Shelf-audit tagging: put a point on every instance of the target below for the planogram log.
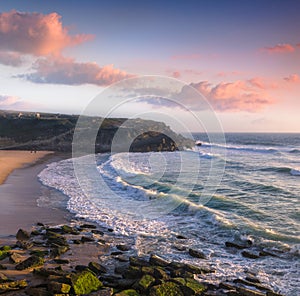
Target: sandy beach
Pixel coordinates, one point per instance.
(21, 189)
(11, 160)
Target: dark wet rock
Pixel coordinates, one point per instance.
(123, 248)
(61, 261)
(145, 283)
(135, 261)
(110, 229)
(3, 254)
(80, 267)
(109, 279)
(3, 278)
(88, 226)
(130, 292)
(272, 293)
(103, 292)
(87, 239)
(122, 258)
(22, 235)
(97, 268)
(180, 237)
(12, 286)
(253, 279)
(40, 224)
(57, 241)
(39, 253)
(122, 284)
(247, 292)
(85, 282)
(247, 254)
(2, 267)
(66, 229)
(180, 248)
(76, 241)
(132, 272)
(248, 283)
(47, 272)
(239, 246)
(25, 245)
(197, 254)
(97, 231)
(15, 258)
(58, 251)
(159, 261)
(58, 288)
(160, 273)
(166, 289)
(31, 262)
(116, 253)
(35, 232)
(264, 253)
(197, 287)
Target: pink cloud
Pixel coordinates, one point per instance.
(10, 59)
(36, 33)
(292, 78)
(13, 103)
(176, 74)
(279, 48)
(62, 70)
(233, 96)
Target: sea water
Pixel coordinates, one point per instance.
(257, 200)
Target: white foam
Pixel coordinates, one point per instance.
(295, 172)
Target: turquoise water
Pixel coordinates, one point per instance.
(247, 189)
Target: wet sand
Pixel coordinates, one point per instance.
(19, 194)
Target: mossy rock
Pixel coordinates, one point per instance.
(180, 281)
(195, 286)
(31, 262)
(85, 282)
(3, 254)
(56, 287)
(129, 292)
(166, 289)
(12, 286)
(146, 282)
(5, 248)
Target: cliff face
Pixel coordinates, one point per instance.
(30, 131)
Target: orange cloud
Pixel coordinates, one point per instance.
(279, 48)
(36, 33)
(292, 78)
(62, 70)
(234, 96)
(10, 59)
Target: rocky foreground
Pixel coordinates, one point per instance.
(48, 261)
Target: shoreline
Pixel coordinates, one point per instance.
(19, 194)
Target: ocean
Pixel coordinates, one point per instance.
(244, 191)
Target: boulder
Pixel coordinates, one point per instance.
(129, 292)
(145, 283)
(97, 268)
(197, 254)
(55, 288)
(159, 261)
(249, 255)
(22, 235)
(166, 289)
(12, 286)
(15, 258)
(123, 247)
(85, 282)
(31, 262)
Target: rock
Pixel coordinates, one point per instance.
(31, 262)
(89, 226)
(253, 279)
(15, 258)
(22, 235)
(160, 273)
(61, 261)
(159, 261)
(86, 239)
(40, 224)
(97, 231)
(122, 284)
(48, 272)
(145, 282)
(103, 292)
(122, 258)
(25, 245)
(3, 278)
(249, 255)
(135, 261)
(236, 245)
(85, 282)
(110, 229)
(58, 250)
(180, 248)
(76, 241)
(97, 268)
(180, 237)
(197, 287)
(2, 267)
(247, 283)
(197, 254)
(39, 253)
(66, 229)
(132, 272)
(247, 292)
(57, 241)
(116, 253)
(55, 287)
(80, 267)
(5, 248)
(166, 289)
(129, 292)
(123, 248)
(12, 286)
(3, 255)
(35, 232)
(271, 293)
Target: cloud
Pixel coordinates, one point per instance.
(12, 103)
(35, 33)
(234, 96)
(292, 78)
(279, 48)
(63, 70)
(176, 74)
(10, 59)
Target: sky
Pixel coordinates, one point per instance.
(243, 57)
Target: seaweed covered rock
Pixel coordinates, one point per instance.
(166, 289)
(31, 262)
(85, 282)
(12, 286)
